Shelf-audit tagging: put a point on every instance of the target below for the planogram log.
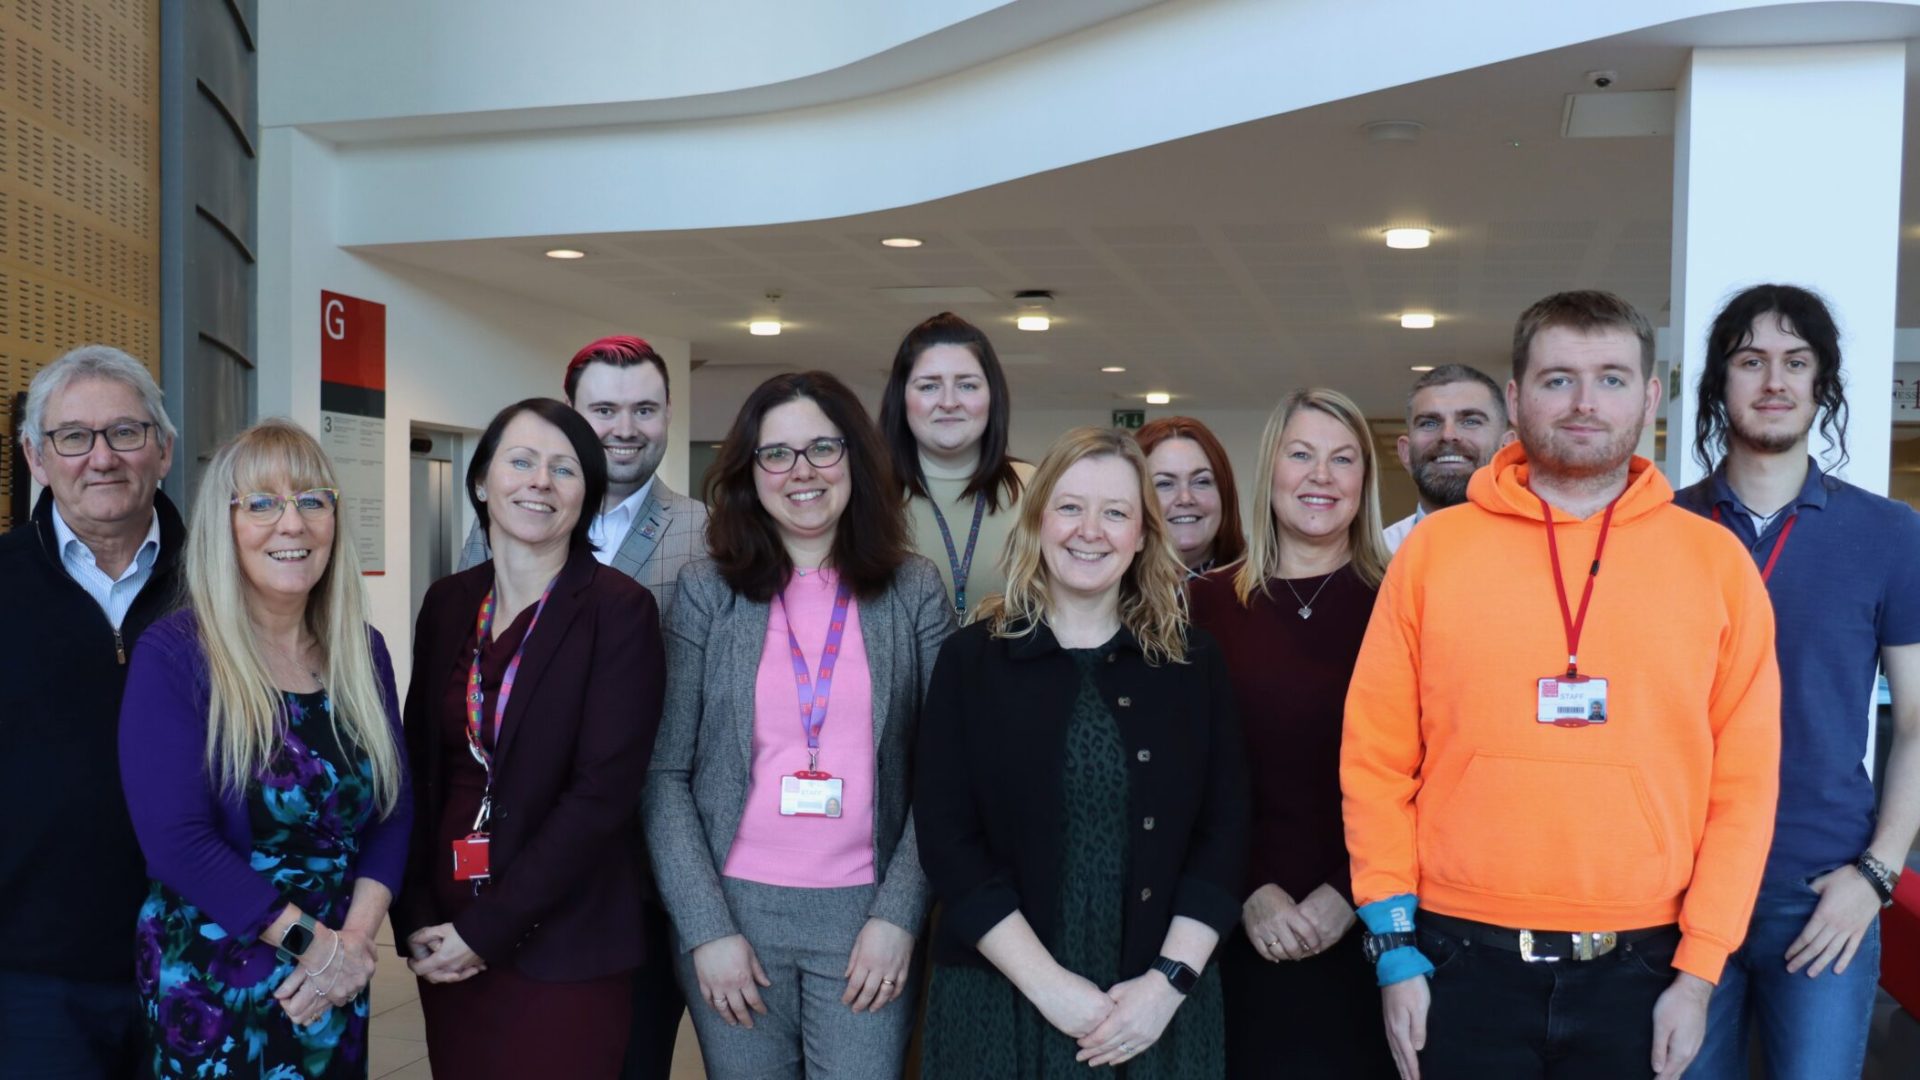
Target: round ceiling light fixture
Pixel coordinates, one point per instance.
(566, 253)
(1409, 239)
(1416, 320)
(1382, 131)
(1159, 397)
(1034, 306)
(1112, 369)
(1421, 367)
(901, 242)
(767, 325)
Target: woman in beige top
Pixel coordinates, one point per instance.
(945, 416)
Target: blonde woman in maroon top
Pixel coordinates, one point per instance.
(1300, 1000)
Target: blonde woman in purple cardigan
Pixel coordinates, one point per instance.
(260, 755)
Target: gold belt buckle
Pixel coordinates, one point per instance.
(1586, 946)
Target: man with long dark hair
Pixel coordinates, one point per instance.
(1839, 566)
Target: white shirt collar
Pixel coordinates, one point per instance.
(72, 547)
(621, 517)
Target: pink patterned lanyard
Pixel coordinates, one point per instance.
(476, 693)
(814, 691)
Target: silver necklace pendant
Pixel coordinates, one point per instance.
(1306, 613)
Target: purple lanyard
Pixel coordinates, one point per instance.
(476, 693)
(962, 570)
(814, 691)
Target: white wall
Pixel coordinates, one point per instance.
(456, 353)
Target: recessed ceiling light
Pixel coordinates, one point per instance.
(1416, 320)
(1034, 307)
(1159, 397)
(1409, 238)
(566, 253)
(1113, 369)
(764, 328)
(900, 242)
(1422, 367)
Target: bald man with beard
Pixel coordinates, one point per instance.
(1456, 421)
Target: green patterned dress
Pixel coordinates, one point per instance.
(978, 1025)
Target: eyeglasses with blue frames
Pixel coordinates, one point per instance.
(125, 437)
(820, 453)
(264, 507)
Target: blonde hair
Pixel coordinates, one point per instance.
(1368, 550)
(1153, 595)
(246, 714)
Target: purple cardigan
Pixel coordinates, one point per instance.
(196, 842)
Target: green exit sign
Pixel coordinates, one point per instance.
(1130, 419)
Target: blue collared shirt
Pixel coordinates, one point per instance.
(1846, 585)
(114, 595)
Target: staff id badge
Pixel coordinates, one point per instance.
(810, 794)
(1572, 701)
(470, 858)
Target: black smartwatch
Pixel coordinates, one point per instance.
(297, 940)
(1378, 945)
(1183, 978)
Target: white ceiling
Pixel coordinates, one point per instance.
(1224, 268)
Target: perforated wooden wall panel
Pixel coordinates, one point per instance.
(79, 187)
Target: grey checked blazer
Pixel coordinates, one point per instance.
(703, 757)
(669, 532)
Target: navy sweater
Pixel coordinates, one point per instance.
(70, 869)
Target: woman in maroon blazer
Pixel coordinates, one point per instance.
(537, 684)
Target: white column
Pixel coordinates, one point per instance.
(1787, 170)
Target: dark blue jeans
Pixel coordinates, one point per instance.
(61, 1029)
(1810, 1028)
(1495, 1015)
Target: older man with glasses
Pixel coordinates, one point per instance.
(97, 563)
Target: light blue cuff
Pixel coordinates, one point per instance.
(1394, 915)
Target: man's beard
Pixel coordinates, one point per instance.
(1765, 442)
(1441, 488)
(1549, 452)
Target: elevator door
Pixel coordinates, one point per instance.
(431, 536)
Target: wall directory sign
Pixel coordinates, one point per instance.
(353, 418)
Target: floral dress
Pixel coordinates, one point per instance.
(207, 998)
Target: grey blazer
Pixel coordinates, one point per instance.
(703, 757)
(669, 532)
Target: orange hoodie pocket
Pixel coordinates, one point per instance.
(1525, 826)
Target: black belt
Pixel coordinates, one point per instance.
(1541, 946)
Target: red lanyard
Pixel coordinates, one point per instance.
(1574, 622)
(1779, 544)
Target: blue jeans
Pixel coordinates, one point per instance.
(61, 1029)
(1810, 1029)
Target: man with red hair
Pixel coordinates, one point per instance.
(643, 529)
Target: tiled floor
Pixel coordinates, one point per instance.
(398, 1039)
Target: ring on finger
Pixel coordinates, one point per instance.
(886, 982)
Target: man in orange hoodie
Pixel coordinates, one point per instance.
(1562, 739)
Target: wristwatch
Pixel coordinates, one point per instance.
(297, 939)
(1183, 978)
(1377, 945)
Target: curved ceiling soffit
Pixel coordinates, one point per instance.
(868, 155)
(1006, 29)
